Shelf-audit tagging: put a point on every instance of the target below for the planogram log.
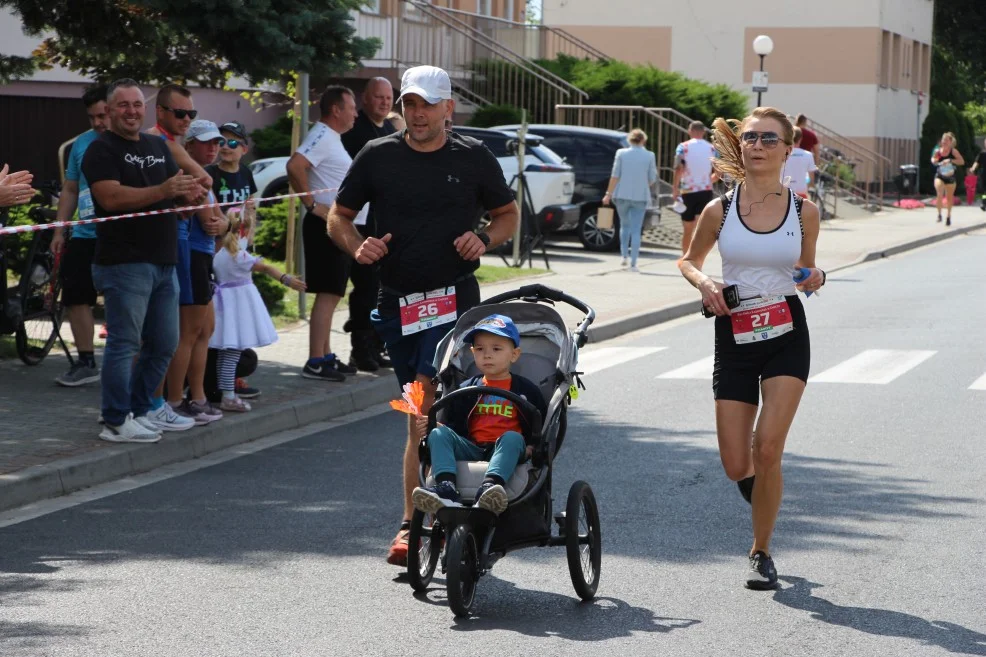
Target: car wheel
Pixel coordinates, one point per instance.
(595, 239)
(278, 187)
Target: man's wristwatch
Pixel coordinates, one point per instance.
(484, 238)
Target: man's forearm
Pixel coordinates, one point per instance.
(67, 202)
(343, 232)
(124, 199)
(502, 227)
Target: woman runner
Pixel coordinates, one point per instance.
(945, 158)
(764, 231)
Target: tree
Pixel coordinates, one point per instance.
(157, 41)
(958, 68)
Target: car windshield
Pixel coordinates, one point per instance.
(548, 156)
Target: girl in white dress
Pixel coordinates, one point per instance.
(242, 320)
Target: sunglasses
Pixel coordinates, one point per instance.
(233, 143)
(768, 139)
(181, 113)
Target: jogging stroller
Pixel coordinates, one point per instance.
(467, 540)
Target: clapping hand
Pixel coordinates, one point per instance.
(15, 188)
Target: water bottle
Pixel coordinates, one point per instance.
(801, 274)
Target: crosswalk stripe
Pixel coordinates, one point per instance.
(875, 366)
(596, 360)
(700, 369)
(979, 384)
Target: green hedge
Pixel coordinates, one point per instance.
(270, 239)
(271, 291)
(491, 115)
(942, 118)
(273, 140)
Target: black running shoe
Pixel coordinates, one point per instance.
(322, 371)
(762, 575)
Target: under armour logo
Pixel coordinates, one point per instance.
(452, 178)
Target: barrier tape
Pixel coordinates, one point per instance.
(33, 228)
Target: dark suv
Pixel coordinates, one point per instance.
(590, 151)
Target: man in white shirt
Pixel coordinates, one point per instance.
(320, 163)
(693, 178)
(800, 167)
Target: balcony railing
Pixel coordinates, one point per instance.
(483, 71)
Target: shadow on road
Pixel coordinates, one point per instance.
(880, 622)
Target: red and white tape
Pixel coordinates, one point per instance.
(33, 228)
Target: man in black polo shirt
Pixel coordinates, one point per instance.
(134, 263)
(428, 189)
(371, 123)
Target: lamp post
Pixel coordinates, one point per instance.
(763, 45)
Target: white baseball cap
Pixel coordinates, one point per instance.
(429, 82)
(203, 130)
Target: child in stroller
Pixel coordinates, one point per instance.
(489, 428)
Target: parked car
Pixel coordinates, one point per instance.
(590, 151)
(551, 182)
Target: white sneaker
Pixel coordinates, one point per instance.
(623, 263)
(634, 270)
(130, 431)
(166, 419)
(147, 424)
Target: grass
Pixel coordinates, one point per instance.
(485, 274)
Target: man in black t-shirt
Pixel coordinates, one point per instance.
(134, 263)
(428, 189)
(371, 123)
(979, 166)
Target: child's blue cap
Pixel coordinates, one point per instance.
(497, 325)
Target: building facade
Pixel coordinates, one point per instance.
(856, 67)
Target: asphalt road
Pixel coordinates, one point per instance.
(881, 543)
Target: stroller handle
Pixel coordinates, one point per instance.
(538, 292)
(528, 408)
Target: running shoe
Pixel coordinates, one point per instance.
(166, 419)
(202, 413)
(130, 431)
(234, 405)
(320, 370)
(78, 375)
(245, 391)
(762, 575)
(147, 424)
(492, 497)
(397, 556)
(339, 366)
(436, 497)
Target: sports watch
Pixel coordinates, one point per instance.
(484, 238)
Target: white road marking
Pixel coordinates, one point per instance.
(44, 507)
(979, 384)
(596, 360)
(700, 369)
(874, 366)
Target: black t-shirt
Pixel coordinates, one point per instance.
(363, 131)
(426, 201)
(981, 164)
(140, 164)
(231, 187)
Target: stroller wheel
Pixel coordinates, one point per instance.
(463, 563)
(583, 541)
(424, 548)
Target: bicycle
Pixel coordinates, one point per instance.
(819, 195)
(31, 309)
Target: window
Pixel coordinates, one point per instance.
(564, 146)
(484, 7)
(509, 11)
(915, 66)
(895, 62)
(885, 53)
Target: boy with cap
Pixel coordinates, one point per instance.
(494, 425)
(230, 181)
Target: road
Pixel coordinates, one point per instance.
(277, 548)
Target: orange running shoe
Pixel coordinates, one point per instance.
(398, 549)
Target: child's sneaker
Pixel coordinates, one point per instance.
(436, 497)
(234, 405)
(492, 497)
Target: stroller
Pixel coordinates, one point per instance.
(469, 540)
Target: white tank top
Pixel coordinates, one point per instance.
(760, 264)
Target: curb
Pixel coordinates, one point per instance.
(71, 474)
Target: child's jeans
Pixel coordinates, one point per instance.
(447, 447)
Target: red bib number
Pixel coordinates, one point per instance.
(420, 312)
(760, 319)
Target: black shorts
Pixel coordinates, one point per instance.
(76, 273)
(326, 266)
(739, 368)
(200, 277)
(695, 203)
(948, 181)
(415, 354)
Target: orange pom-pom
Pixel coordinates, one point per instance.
(413, 398)
(403, 407)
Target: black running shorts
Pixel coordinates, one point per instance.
(695, 203)
(739, 368)
(326, 266)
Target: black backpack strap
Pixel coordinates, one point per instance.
(798, 205)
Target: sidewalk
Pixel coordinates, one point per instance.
(48, 443)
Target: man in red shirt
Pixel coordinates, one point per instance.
(809, 140)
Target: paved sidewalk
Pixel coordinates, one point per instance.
(48, 443)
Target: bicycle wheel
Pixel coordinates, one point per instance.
(41, 310)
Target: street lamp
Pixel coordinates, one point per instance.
(763, 45)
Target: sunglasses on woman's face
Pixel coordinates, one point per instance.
(768, 139)
(181, 113)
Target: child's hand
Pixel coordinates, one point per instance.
(529, 452)
(297, 284)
